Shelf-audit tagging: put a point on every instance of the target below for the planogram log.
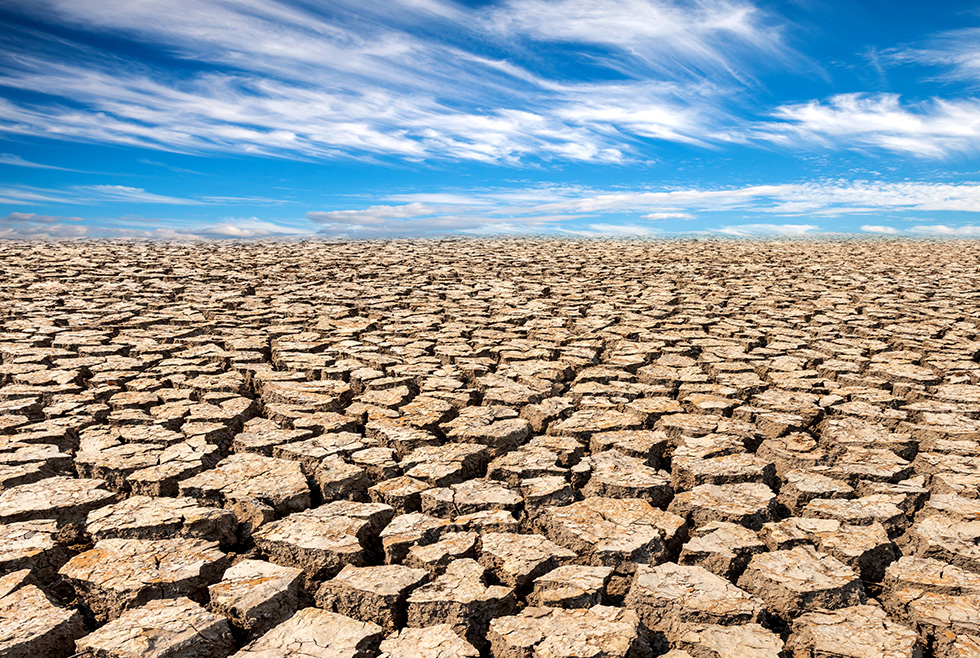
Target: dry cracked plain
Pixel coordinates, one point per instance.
(498, 448)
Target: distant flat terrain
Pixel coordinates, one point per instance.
(517, 448)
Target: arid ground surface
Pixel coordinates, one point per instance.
(507, 448)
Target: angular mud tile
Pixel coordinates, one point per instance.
(935, 615)
(314, 633)
(518, 559)
(948, 539)
(496, 427)
(545, 412)
(14, 581)
(14, 475)
(337, 479)
(323, 540)
(256, 488)
(744, 641)
(375, 594)
(379, 463)
(398, 437)
(571, 586)
(860, 511)
(407, 530)
(860, 631)
(722, 548)
(426, 412)
(951, 505)
(524, 463)
(799, 487)
(568, 449)
(177, 628)
(873, 465)
(64, 499)
(142, 517)
(584, 423)
(927, 575)
(612, 474)
(51, 458)
(678, 425)
(651, 409)
(447, 464)
(461, 598)
(33, 627)
(121, 574)
(746, 504)
(264, 441)
(602, 631)
(796, 451)
(438, 641)
(470, 496)
(845, 432)
(725, 469)
(435, 557)
(310, 452)
(646, 445)
(31, 545)
(800, 580)
(174, 463)
(402, 493)
(540, 494)
(318, 396)
(615, 533)
(671, 599)
(960, 646)
(493, 520)
(256, 595)
(865, 548)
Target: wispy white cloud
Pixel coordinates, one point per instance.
(930, 230)
(668, 215)
(935, 128)
(957, 52)
(375, 215)
(403, 80)
(665, 35)
(135, 195)
(648, 212)
(27, 225)
(782, 230)
(248, 228)
(17, 161)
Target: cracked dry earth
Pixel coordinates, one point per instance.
(501, 448)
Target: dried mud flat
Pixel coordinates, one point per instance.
(506, 448)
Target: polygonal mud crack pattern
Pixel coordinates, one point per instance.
(506, 448)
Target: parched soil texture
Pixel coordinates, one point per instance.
(507, 448)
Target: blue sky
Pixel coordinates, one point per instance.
(368, 118)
